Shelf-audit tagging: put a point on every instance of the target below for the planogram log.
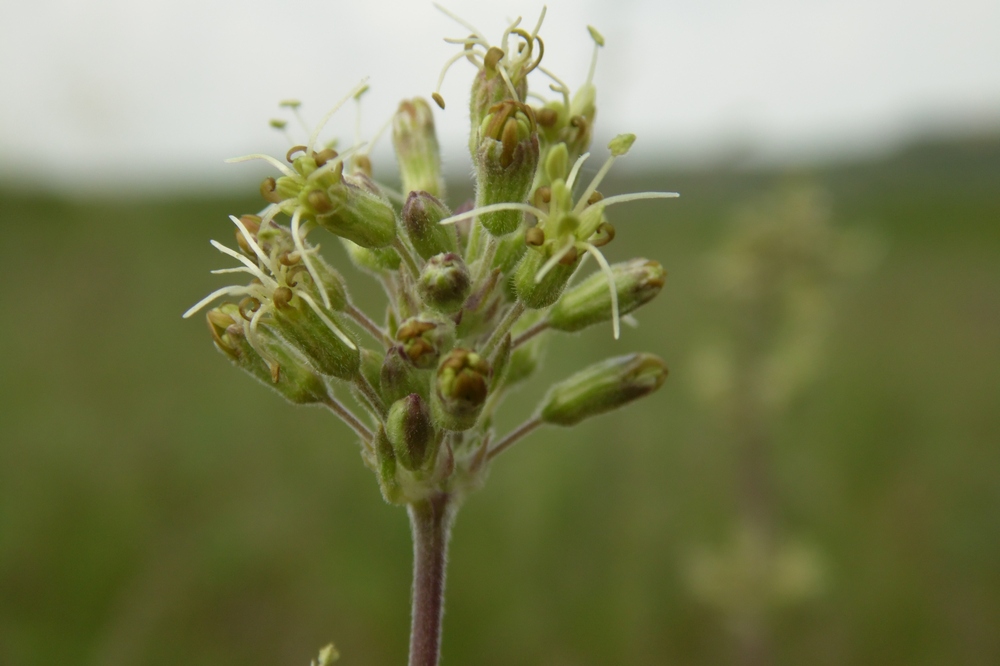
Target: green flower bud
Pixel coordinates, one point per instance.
(460, 389)
(425, 338)
(523, 361)
(444, 282)
(371, 365)
(602, 387)
(398, 378)
(417, 148)
(637, 282)
(374, 261)
(411, 432)
(422, 213)
(356, 213)
(286, 371)
(302, 326)
(505, 162)
(541, 294)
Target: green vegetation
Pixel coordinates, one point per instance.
(157, 508)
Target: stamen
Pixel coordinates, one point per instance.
(232, 290)
(250, 241)
(289, 156)
(506, 33)
(357, 114)
(297, 239)
(606, 269)
(553, 260)
(510, 86)
(284, 168)
(332, 164)
(329, 114)
(635, 196)
(492, 208)
(243, 260)
(582, 201)
(575, 170)
(598, 43)
(538, 25)
(326, 320)
(468, 26)
(560, 87)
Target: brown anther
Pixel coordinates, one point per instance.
(417, 348)
(469, 386)
(218, 322)
(534, 237)
(509, 141)
(268, 190)
(289, 258)
(282, 297)
(242, 242)
(438, 99)
(290, 155)
(413, 329)
(605, 234)
(492, 57)
(319, 202)
(324, 156)
(570, 257)
(546, 117)
(248, 306)
(543, 195)
(594, 198)
(251, 222)
(275, 371)
(363, 164)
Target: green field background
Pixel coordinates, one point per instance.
(157, 507)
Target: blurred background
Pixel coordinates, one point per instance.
(157, 507)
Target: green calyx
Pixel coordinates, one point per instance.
(460, 389)
(417, 150)
(421, 217)
(602, 387)
(322, 338)
(636, 282)
(506, 159)
(444, 282)
(410, 430)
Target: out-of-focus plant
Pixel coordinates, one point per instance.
(473, 295)
(777, 278)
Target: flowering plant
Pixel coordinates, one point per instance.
(473, 294)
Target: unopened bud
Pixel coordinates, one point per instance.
(637, 282)
(603, 387)
(460, 389)
(421, 216)
(398, 378)
(425, 339)
(505, 162)
(386, 460)
(444, 282)
(417, 148)
(411, 432)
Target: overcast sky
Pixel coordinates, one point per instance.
(137, 92)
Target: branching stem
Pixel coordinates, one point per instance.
(518, 433)
(349, 418)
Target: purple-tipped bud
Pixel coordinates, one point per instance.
(411, 432)
(444, 282)
(460, 389)
(417, 148)
(422, 215)
(603, 387)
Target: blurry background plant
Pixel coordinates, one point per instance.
(153, 509)
(777, 279)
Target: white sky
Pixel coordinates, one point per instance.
(123, 93)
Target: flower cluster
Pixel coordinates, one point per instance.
(473, 293)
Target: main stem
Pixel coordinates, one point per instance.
(431, 522)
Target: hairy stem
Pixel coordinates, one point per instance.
(349, 418)
(407, 257)
(530, 333)
(521, 431)
(374, 329)
(504, 327)
(431, 521)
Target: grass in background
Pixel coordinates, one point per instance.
(158, 508)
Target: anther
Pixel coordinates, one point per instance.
(509, 140)
(570, 257)
(604, 235)
(268, 190)
(363, 164)
(278, 124)
(534, 237)
(546, 117)
(492, 57)
(438, 99)
(594, 198)
(289, 258)
(319, 201)
(282, 296)
(290, 155)
(324, 156)
(543, 195)
(248, 306)
(275, 371)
